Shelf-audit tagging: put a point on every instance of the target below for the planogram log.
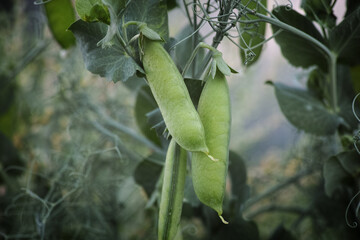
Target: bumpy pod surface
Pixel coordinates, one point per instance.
(172, 97)
(172, 193)
(209, 177)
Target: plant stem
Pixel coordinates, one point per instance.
(330, 56)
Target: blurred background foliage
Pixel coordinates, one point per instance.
(75, 163)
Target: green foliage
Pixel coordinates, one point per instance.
(320, 11)
(305, 111)
(344, 39)
(60, 15)
(252, 35)
(340, 172)
(298, 51)
(91, 11)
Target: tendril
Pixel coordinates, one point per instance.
(354, 224)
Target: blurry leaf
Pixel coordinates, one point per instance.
(60, 15)
(316, 83)
(9, 157)
(189, 193)
(238, 176)
(304, 111)
(144, 104)
(171, 4)
(254, 34)
(184, 50)
(298, 51)
(92, 10)
(112, 63)
(355, 77)
(281, 233)
(344, 39)
(340, 171)
(351, 5)
(148, 171)
(7, 96)
(194, 87)
(237, 229)
(320, 11)
(345, 95)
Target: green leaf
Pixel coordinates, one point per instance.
(148, 171)
(113, 63)
(92, 10)
(151, 12)
(238, 176)
(252, 35)
(344, 39)
(298, 51)
(144, 104)
(351, 5)
(320, 11)
(304, 111)
(281, 233)
(341, 171)
(184, 50)
(189, 193)
(60, 15)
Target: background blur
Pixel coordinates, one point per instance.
(70, 144)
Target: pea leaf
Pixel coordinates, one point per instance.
(305, 111)
(344, 39)
(298, 51)
(144, 104)
(60, 15)
(113, 63)
(151, 12)
(320, 11)
(341, 171)
(351, 5)
(92, 10)
(148, 171)
(238, 176)
(252, 35)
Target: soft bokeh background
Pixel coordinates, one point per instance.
(74, 132)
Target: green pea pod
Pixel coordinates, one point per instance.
(172, 193)
(172, 97)
(209, 177)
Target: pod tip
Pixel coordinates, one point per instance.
(212, 158)
(223, 220)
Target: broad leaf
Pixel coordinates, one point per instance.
(144, 104)
(281, 233)
(320, 11)
(351, 5)
(148, 171)
(297, 50)
(113, 63)
(304, 111)
(252, 35)
(189, 193)
(238, 176)
(344, 39)
(61, 15)
(340, 171)
(92, 10)
(151, 12)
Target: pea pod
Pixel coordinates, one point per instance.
(209, 177)
(172, 97)
(172, 193)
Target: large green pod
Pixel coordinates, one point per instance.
(172, 193)
(209, 177)
(172, 97)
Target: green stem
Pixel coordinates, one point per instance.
(330, 56)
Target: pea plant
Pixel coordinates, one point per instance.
(183, 104)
